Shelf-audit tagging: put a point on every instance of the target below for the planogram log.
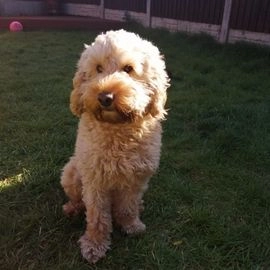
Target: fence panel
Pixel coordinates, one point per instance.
(129, 5)
(203, 11)
(90, 2)
(251, 15)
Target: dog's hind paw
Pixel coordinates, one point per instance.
(73, 209)
(91, 251)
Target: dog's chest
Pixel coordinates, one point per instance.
(110, 153)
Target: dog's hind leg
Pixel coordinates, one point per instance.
(71, 182)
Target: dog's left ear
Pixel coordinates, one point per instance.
(157, 106)
(159, 83)
(157, 79)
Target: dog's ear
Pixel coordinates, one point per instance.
(76, 104)
(157, 106)
(159, 84)
(157, 79)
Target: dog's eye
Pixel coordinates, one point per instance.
(128, 68)
(99, 68)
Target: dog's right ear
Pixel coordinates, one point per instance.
(76, 103)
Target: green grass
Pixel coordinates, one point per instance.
(208, 207)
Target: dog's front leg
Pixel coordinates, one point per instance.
(127, 205)
(96, 240)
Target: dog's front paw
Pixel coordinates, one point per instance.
(91, 251)
(137, 227)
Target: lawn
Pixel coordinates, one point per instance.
(208, 207)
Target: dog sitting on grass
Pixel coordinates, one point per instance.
(119, 96)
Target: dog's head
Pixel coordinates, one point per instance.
(120, 78)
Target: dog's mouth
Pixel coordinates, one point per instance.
(112, 115)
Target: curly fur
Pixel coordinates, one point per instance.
(118, 145)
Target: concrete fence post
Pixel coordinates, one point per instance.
(148, 13)
(102, 9)
(225, 26)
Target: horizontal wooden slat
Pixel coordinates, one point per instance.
(90, 2)
(129, 5)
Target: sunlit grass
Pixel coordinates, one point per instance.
(14, 180)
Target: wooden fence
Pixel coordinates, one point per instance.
(225, 20)
(251, 15)
(138, 6)
(203, 11)
(89, 2)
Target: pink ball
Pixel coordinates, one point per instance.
(15, 26)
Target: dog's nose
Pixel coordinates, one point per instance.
(105, 98)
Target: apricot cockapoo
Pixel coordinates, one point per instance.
(119, 96)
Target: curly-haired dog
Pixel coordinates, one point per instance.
(119, 95)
